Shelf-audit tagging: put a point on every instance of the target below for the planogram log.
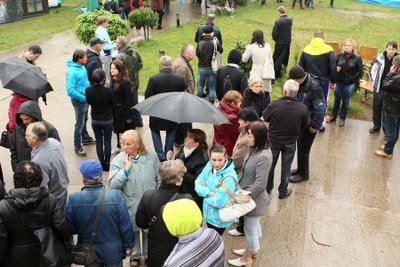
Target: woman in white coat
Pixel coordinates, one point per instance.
(263, 65)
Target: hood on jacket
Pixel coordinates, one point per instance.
(317, 46)
(72, 64)
(91, 54)
(30, 108)
(227, 168)
(27, 199)
(127, 49)
(228, 108)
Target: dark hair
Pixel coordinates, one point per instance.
(258, 37)
(78, 54)
(39, 130)
(248, 114)
(27, 175)
(99, 76)
(119, 65)
(218, 148)
(392, 43)
(35, 49)
(198, 136)
(260, 132)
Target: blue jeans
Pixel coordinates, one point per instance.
(343, 93)
(253, 232)
(137, 118)
(158, 146)
(287, 159)
(105, 264)
(80, 132)
(103, 133)
(206, 75)
(392, 126)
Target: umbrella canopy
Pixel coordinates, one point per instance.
(24, 78)
(181, 107)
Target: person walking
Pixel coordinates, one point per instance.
(77, 82)
(101, 102)
(282, 35)
(114, 236)
(93, 61)
(108, 45)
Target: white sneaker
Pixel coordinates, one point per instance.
(115, 150)
(239, 262)
(239, 252)
(235, 232)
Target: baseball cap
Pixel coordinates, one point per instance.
(95, 40)
(90, 169)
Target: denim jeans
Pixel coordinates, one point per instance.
(137, 118)
(80, 132)
(342, 93)
(103, 133)
(105, 264)
(206, 75)
(287, 159)
(158, 146)
(252, 230)
(392, 126)
(106, 64)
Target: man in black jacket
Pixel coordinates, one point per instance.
(93, 58)
(164, 82)
(391, 104)
(211, 20)
(204, 53)
(282, 35)
(310, 93)
(230, 77)
(287, 118)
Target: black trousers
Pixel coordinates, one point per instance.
(304, 144)
(377, 115)
(181, 132)
(281, 57)
(219, 230)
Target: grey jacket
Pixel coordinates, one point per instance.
(254, 177)
(49, 155)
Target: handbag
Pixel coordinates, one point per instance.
(216, 60)
(5, 140)
(84, 254)
(240, 204)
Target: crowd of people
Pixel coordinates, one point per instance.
(156, 202)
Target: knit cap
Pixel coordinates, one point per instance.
(297, 72)
(234, 56)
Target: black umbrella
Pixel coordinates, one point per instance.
(24, 78)
(181, 107)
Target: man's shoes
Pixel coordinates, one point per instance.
(115, 151)
(374, 130)
(298, 178)
(88, 141)
(288, 193)
(382, 154)
(330, 119)
(235, 232)
(139, 125)
(80, 152)
(293, 172)
(341, 122)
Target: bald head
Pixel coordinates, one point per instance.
(36, 133)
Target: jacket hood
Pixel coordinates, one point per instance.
(90, 54)
(317, 46)
(27, 199)
(229, 108)
(72, 64)
(30, 108)
(128, 50)
(227, 168)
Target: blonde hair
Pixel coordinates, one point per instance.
(233, 96)
(135, 137)
(254, 80)
(171, 171)
(353, 43)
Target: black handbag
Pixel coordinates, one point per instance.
(54, 252)
(5, 140)
(84, 254)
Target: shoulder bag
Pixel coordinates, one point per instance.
(5, 139)
(216, 61)
(240, 204)
(84, 254)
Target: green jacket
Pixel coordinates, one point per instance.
(133, 63)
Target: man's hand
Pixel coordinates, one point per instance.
(394, 69)
(170, 155)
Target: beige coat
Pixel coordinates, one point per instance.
(180, 67)
(240, 150)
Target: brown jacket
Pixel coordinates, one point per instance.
(183, 68)
(240, 150)
(157, 5)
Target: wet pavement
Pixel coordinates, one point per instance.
(347, 214)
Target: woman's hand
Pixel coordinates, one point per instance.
(127, 162)
(170, 155)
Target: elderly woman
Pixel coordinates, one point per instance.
(227, 134)
(207, 185)
(134, 171)
(148, 215)
(349, 72)
(194, 156)
(255, 97)
(254, 178)
(28, 207)
(263, 65)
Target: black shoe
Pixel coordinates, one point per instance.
(288, 193)
(322, 130)
(374, 130)
(269, 190)
(298, 178)
(140, 124)
(293, 172)
(105, 166)
(80, 152)
(88, 141)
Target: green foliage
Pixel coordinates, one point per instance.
(220, 3)
(86, 25)
(143, 17)
(241, 45)
(240, 2)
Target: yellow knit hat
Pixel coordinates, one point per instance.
(182, 217)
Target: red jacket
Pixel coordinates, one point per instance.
(15, 102)
(227, 134)
(135, 4)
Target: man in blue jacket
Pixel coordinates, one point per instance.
(77, 82)
(114, 236)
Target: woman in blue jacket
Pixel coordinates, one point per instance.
(207, 185)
